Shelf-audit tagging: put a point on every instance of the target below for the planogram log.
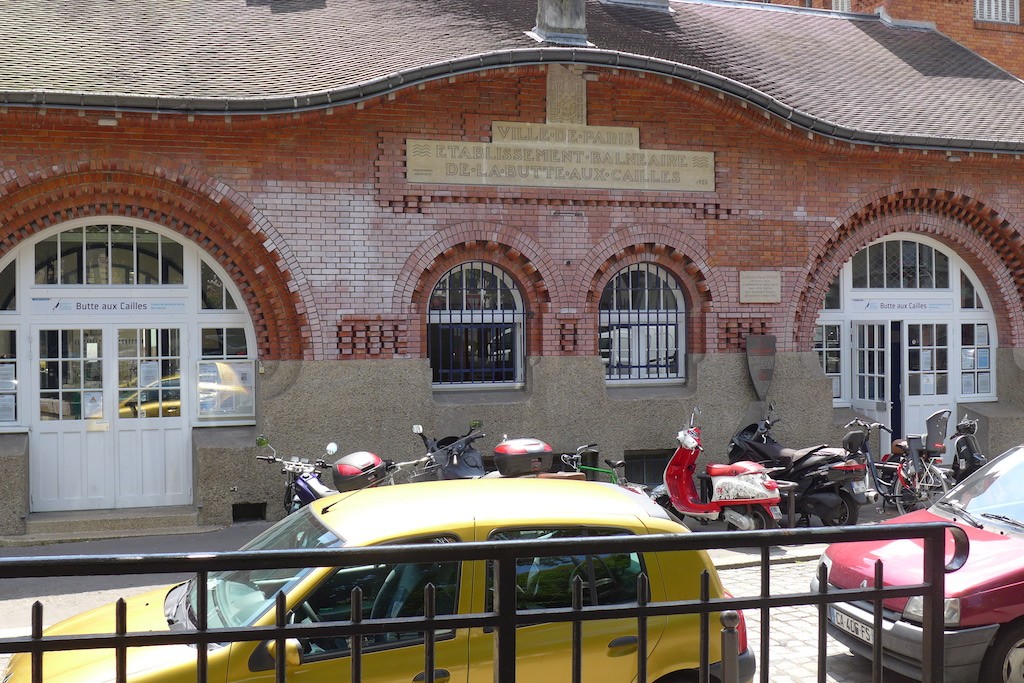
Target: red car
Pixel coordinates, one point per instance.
(984, 606)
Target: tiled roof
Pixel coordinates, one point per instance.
(856, 77)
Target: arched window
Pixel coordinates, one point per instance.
(641, 325)
(475, 327)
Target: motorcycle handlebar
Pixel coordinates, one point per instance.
(867, 425)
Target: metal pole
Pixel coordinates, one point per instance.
(730, 646)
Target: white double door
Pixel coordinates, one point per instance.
(110, 426)
(902, 371)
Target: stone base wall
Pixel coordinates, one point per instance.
(372, 405)
(14, 483)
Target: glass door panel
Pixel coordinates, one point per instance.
(871, 370)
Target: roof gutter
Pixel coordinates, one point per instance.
(508, 58)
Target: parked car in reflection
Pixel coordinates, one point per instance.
(984, 600)
(430, 512)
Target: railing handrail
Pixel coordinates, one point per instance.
(504, 555)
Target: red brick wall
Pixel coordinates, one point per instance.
(1002, 44)
(335, 252)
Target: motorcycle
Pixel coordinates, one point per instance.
(829, 483)
(448, 458)
(967, 455)
(741, 493)
(349, 472)
(452, 457)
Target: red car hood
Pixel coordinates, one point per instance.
(993, 560)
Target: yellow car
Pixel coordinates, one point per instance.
(442, 512)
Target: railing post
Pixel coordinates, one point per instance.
(705, 629)
(505, 634)
(934, 603)
(730, 646)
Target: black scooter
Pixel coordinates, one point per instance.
(829, 483)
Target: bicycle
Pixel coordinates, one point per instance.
(909, 479)
(616, 472)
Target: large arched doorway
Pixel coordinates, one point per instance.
(907, 329)
(116, 340)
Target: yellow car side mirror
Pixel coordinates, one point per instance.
(292, 651)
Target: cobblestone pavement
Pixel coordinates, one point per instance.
(793, 652)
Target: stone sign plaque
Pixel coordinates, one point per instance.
(559, 155)
(760, 287)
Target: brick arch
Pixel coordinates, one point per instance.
(47, 192)
(674, 251)
(510, 250)
(980, 232)
(493, 238)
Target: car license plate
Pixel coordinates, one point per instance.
(859, 486)
(776, 512)
(855, 628)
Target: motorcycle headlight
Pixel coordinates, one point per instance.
(687, 439)
(914, 611)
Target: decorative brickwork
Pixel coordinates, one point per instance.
(422, 203)
(735, 332)
(375, 337)
(625, 250)
(567, 335)
(48, 192)
(980, 234)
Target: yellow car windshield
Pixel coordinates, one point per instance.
(238, 597)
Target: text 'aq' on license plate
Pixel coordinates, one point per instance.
(859, 486)
(855, 628)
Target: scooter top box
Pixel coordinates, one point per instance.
(358, 470)
(517, 457)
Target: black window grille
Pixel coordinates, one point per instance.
(475, 327)
(641, 325)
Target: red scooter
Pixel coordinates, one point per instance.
(740, 493)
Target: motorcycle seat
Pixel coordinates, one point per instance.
(732, 470)
(799, 454)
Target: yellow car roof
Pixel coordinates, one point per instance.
(379, 514)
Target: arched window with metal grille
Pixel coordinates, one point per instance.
(641, 325)
(475, 327)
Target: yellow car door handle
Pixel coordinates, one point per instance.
(624, 641)
(440, 675)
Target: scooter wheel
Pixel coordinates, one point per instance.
(846, 514)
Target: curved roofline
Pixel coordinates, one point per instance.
(485, 61)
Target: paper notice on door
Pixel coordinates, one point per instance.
(7, 377)
(7, 408)
(149, 373)
(927, 385)
(92, 405)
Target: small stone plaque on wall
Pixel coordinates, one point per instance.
(760, 287)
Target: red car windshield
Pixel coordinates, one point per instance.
(992, 494)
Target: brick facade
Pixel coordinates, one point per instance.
(314, 220)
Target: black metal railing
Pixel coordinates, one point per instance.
(504, 617)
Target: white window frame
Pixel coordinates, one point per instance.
(997, 11)
(849, 312)
(445, 321)
(638, 324)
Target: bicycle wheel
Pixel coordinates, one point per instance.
(917, 492)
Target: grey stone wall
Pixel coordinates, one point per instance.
(372, 405)
(14, 489)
